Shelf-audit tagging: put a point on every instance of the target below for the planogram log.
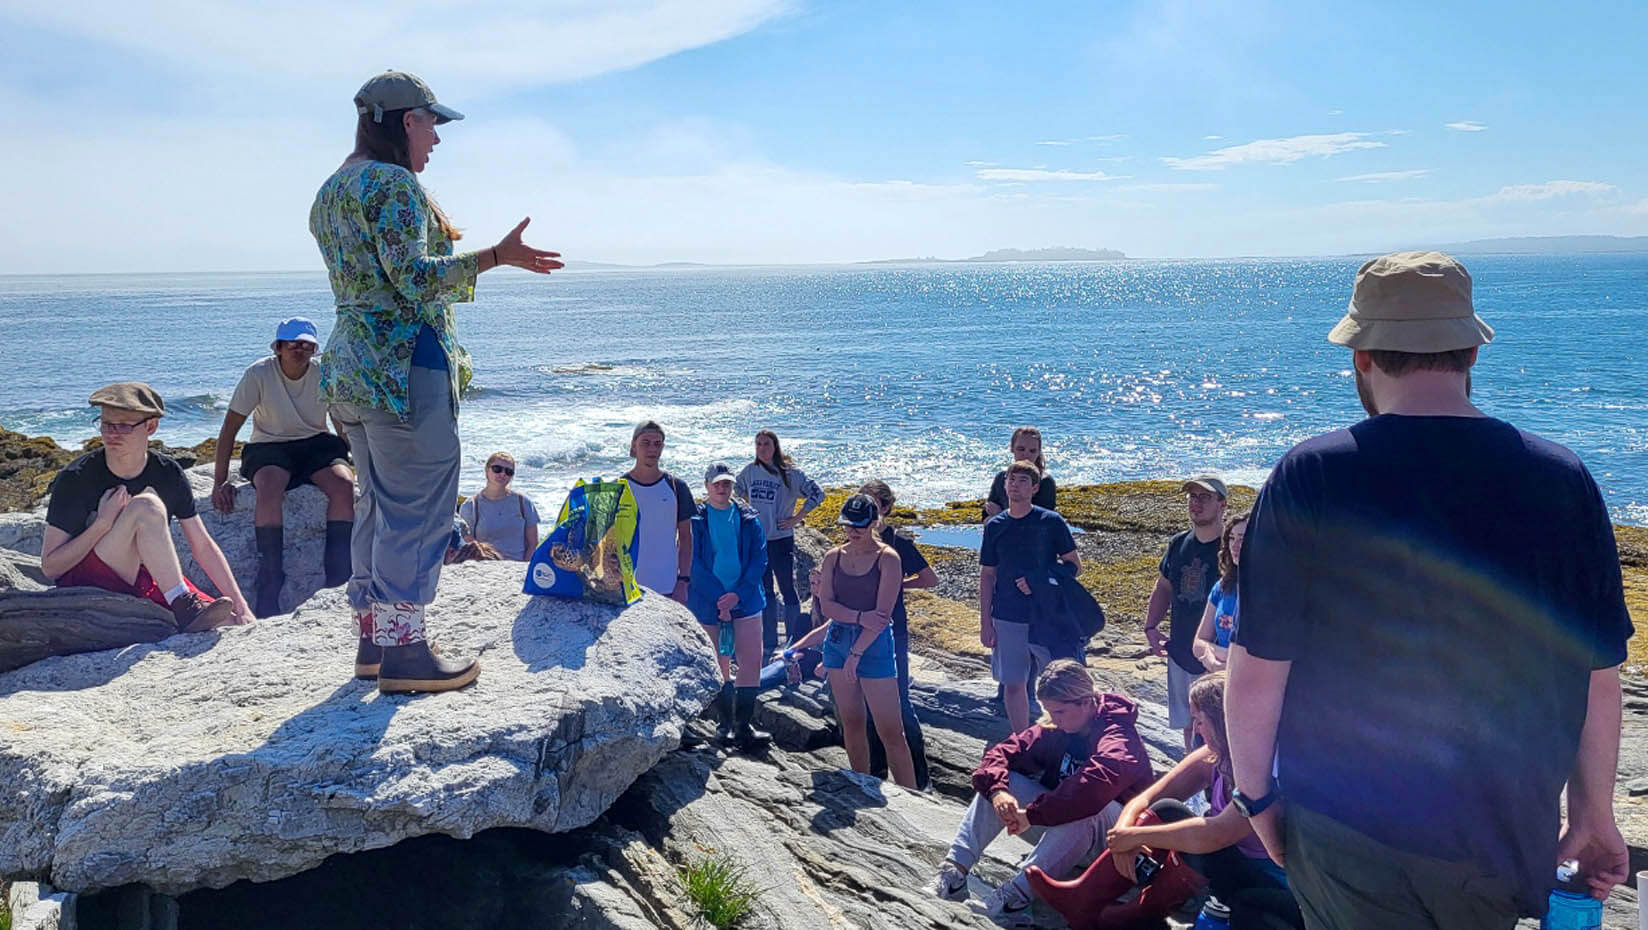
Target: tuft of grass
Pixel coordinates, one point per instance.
(720, 889)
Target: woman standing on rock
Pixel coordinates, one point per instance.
(772, 484)
(860, 582)
(1026, 447)
(392, 370)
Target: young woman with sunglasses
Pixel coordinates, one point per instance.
(504, 519)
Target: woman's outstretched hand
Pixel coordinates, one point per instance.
(512, 251)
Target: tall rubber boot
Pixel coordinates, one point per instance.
(408, 662)
(335, 557)
(368, 654)
(749, 738)
(1081, 899)
(724, 712)
(1175, 884)
(271, 573)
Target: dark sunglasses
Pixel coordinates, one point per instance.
(503, 470)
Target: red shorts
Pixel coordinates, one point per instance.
(93, 573)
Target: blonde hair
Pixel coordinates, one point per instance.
(499, 457)
(1207, 694)
(1065, 681)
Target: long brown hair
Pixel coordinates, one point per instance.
(1207, 694)
(781, 463)
(1041, 462)
(1227, 565)
(386, 141)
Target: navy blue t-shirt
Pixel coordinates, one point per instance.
(1444, 587)
(910, 562)
(1019, 547)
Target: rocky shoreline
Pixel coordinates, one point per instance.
(828, 848)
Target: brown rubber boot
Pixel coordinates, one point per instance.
(415, 667)
(197, 613)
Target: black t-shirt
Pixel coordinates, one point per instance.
(79, 488)
(910, 561)
(1444, 587)
(1020, 547)
(1190, 566)
(1047, 493)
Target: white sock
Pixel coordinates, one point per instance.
(177, 592)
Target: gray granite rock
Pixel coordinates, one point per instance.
(251, 753)
(36, 624)
(40, 907)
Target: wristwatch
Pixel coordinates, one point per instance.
(686, 578)
(1253, 807)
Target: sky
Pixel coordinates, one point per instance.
(183, 135)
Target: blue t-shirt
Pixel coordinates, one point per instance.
(724, 545)
(1224, 614)
(427, 351)
(1019, 547)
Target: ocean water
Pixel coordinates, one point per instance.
(913, 373)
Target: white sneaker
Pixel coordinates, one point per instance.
(950, 883)
(1009, 907)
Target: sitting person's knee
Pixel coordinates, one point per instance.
(147, 503)
(1171, 810)
(269, 481)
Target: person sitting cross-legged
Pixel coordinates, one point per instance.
(290, 447)
(1060, 784)
(108, 523)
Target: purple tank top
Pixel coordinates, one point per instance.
(856, 591)
(1251, 847)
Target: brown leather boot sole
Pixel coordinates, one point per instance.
(220, 612)
(368, 660)
(429, 685)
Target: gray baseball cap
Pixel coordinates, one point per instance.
(397, 90)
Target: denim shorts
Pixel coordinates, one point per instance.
(877, 660)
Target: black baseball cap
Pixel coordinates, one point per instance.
(860, 510)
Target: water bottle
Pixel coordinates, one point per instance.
(1214, 916)
(1571, 906)
(792, 668)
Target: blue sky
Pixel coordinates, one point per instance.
(182, 137)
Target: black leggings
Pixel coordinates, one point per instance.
(1256, 900)
(780, 565)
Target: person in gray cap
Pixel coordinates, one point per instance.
(290, 446)
(1185, 577)
(1428, 640)
(393, 368)
(729, 556)
(108, 522)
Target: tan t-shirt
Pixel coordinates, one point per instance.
(281, 409)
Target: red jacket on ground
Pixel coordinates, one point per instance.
(1082, 772)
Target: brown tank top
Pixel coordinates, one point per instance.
(857, 591)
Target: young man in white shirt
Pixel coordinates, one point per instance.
(665, 507)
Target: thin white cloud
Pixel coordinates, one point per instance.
(1212, 138)
(981, 164)
(1523, 193)
(1276, 151)
(1169, 187)
(506, 42)
(1054, 142)
(1042, 174)
(1336, 112)
(1466, 125)
(1379, 177)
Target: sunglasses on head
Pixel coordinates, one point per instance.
(503, 470)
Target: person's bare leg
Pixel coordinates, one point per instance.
(270, 482)
(746, 639)
(888, 712)
(849, 708)
(142, 538)
(337, 482)
(1016, 699)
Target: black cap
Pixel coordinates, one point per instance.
(860, 510)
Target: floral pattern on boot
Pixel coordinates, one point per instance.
(363, 621)
(397, 624)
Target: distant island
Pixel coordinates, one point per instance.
(1055, 254)
(1550, 245)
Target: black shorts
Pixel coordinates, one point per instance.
(301, 457)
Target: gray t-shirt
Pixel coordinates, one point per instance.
(501, 523)
(774, 498)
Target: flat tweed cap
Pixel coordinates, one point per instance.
(1412, 302)
(130, 395)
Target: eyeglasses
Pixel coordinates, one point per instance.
(503, 470)
(117, 429)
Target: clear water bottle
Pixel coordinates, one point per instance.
(1214, 916)
(792, 668)
(1571, 906)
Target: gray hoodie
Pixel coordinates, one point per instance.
(774, 499)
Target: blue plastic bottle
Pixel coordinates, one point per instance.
(1214, 916)
(1571, 906)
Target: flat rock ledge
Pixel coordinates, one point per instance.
(250, 753)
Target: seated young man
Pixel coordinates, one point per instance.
(108, 523)
(290, 446)
(1061, 784)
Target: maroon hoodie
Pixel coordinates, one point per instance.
(1082, 772)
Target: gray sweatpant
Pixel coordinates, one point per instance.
(408, 478)
(1058, 849)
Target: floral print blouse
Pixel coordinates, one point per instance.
(392, 271)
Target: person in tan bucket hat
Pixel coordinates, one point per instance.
(1427, 647)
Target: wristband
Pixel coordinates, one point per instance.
(687, 578)
(856, 655)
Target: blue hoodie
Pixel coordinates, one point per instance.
(705, 589)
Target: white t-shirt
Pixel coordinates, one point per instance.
(501, 523)
(282, 410)
(659, 507)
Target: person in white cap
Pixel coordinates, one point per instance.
(393, 369)
(290, 447)
(1428, 640)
